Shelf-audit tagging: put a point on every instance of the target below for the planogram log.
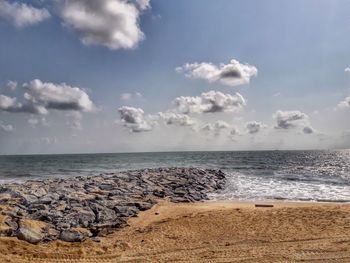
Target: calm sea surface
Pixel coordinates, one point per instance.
(286, 175)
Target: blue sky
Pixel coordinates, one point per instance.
(300, 50)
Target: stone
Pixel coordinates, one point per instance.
(31, 231)
(78, 208)
(86, 216)
(39, 192)
(75, 235)
(143, 206)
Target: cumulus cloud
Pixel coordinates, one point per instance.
(110, 23)
(11, 85)
(254, 127)
(171, 118)
(345, 103)
(6, 127)
(288, 119)
(216, 127)
(22, 15)
(234, 131)
(143, 4)
(231, 74)
(9, 104)
(212, 101)
(134, 119)
(347, 70)
(39, 97)
(57, 96)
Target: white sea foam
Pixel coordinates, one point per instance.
(250, 187)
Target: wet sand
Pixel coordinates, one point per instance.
(209, 232)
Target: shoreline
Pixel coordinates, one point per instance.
(208, 231)
(160, 215)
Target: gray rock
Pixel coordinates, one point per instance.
(73, 235)
(74, 208)
(29, 233)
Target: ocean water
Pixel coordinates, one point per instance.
(252, 175)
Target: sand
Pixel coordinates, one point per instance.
(209, 232)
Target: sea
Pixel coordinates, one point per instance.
(251, 175)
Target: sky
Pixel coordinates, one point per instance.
(86, 76)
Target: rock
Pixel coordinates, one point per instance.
(49, 198)
(159, 193)
(75, 235)
(39, 192)
(29, 198)
(74, 209)
(143, 206)
(180, 191)
(63, 226)
(31, 231)
(104, 215)
(79, 197)
(86, 216)
(51, 234)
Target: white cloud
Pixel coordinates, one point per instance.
(347, 70)
(234, 131)
(22, 15)
(212, 101)
(39, 97)
(110, 23)
(11, 85)
(48, 95)
(6, 127)
(8, 104)
(288, 119)
(143, 4)
(134, 119)
(216, 127)
(171, 118)
(253, 127)
(345, 103)
(231, 74)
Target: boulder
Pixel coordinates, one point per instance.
(77, 208)
(75, 235)
(31, 231)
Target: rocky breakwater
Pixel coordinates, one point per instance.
(78, 208)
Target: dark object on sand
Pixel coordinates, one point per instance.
(263, 205)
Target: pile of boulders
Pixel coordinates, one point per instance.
(74, 209)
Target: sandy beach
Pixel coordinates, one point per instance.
(209, 232)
